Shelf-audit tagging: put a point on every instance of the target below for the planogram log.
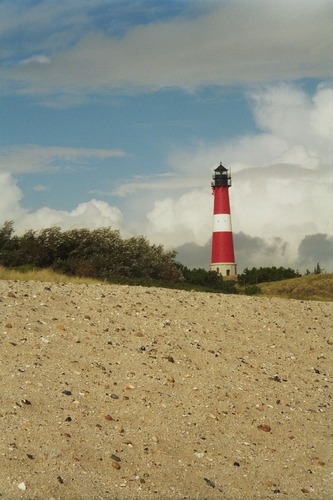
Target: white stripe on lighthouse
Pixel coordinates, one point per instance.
(222, 222)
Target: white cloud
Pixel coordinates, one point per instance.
(283, 200)
(321, 117)
(45, 25)
(177, 221)
(292, 116)
(236, 42)
(298, 155)
(92, 214)
(161, 182)
(38, 59)
(10, 198)
(34, 158)
(239, 153)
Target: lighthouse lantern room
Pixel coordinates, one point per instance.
(223, 256)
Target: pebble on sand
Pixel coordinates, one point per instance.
(264, 427)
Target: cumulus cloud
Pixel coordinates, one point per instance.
(321, 115)
(181, 220)
(193, 255)
(10, 198)
(91, 214)
(234, 42)
(297, 119)
(253, 251)
(283, 200)
(316, 248)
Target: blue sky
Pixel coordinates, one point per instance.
(115, 113)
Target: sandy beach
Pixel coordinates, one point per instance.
(117, 392)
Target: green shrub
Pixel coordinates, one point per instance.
(252, 290)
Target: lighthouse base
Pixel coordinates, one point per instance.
(227, 270)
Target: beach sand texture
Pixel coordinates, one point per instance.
(131, 392)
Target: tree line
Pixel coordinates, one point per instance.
(99, 253)
(255, 275)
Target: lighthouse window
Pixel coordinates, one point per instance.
(228, 272)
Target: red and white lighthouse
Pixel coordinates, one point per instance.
(223, 256)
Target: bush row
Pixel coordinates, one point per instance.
(99, 253)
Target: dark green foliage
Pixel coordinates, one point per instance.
(99, 253)
(7, 243)
(207, 279)
(252, 290)
(318, 269)
(265, 274)
(6, 234)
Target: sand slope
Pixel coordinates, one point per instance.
(132, 392)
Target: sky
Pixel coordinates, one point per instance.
(115, 113)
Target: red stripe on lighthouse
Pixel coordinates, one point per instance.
(222, 248)
(221, 200)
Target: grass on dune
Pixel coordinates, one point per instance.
(45, 275)
(308, 287)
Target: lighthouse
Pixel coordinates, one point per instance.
(223, 256)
